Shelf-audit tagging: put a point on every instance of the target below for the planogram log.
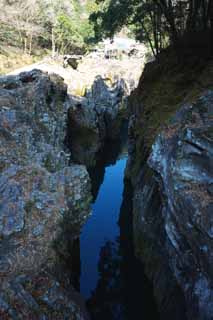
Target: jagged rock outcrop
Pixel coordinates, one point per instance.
(96, 118)
(182, 157)
(39, 191)
(173, 212)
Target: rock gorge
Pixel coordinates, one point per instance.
(170, 167)
(45, 197)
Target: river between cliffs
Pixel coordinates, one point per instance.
(112, 279)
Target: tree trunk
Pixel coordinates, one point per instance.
(30, 44)
(153, 18)
(211, 21)
(167, 11)
(25, 45)
(149, 40)
(204, 15)
(193, 15)
(53, 43)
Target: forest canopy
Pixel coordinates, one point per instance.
(60, 25)
(160, 23)
(72, 25)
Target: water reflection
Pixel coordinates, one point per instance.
(112, 279)
(101, 226)
(113, 151)
(123, 292)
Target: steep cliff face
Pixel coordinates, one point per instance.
(39, 191)
(182, 159)
(170, 167)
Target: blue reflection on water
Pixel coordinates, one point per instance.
(102, 225)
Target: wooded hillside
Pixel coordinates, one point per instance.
(59, 25)
(182, 24)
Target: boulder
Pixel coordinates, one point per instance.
(72, 61)
(39, 190)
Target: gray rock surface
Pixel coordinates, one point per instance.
(95, 118)
(38, 191)
(173, 217)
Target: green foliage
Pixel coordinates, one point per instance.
(158, 22)
(71, 33)
(67, 33)
(91, 6)
(73, 29)
(60, 25)
(109, 18)
(63, 25)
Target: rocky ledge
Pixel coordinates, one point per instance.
(173, 221)
(39, 193)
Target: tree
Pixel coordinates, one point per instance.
(23, 17)
(52, 10)
(58, 25)
(160, 22)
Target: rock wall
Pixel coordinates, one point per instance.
(182, 160)
(39, 193)
(172, 204)
(96, 118)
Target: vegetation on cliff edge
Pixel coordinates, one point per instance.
(182, 24)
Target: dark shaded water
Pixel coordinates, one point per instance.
(112, 279)
(102, 225)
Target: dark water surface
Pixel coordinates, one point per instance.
(112, 279)
(102, 226)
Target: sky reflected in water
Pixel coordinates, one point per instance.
(102, 226)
